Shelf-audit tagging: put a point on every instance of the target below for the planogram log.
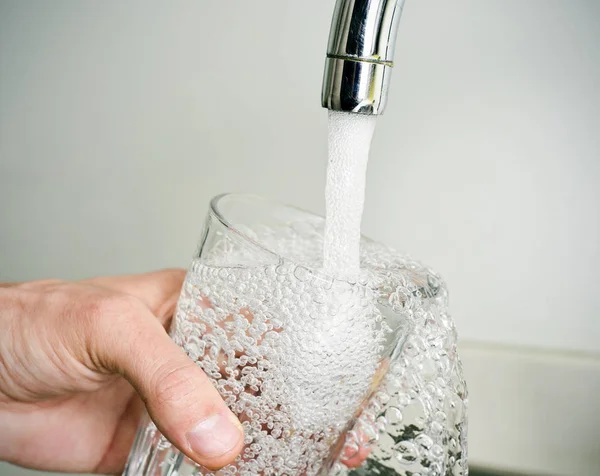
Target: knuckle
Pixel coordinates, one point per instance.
(177, 384)
(173, 385)
(112, 308)
(103, 320)
(176, 273)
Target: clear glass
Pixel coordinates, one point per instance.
(314, 366)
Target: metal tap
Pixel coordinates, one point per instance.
(360, 55)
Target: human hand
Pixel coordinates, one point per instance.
(74, 360)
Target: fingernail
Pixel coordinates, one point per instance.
(214, 436)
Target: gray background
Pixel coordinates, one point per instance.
(119, 119)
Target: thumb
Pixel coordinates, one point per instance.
(179, 397)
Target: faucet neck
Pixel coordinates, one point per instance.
(360, 55)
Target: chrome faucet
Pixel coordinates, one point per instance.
(360, 55)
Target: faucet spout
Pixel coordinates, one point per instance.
(360, 55)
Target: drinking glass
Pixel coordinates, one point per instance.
(317, 367)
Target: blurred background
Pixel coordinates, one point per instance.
(120, 119)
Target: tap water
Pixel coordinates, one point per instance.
(339, 344)
(349, 144)
(311, 363)
(399, 417)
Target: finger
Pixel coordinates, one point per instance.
(159, 290)
(116, 455)
(358, 458)
(178, 395)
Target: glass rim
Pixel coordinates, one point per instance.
(318, 273)
(223, 220)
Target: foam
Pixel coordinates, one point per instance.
(349, 144)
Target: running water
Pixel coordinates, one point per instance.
(409, 415)
(320, 363)
(349, 144)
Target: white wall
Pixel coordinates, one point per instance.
(119, 119)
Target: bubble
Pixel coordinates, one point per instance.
(407, 453)
(295, 353)
(394, 415)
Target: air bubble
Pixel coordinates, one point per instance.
(295, 353)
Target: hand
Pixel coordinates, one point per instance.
(75, 359)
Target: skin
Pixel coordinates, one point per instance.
(80, 360)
